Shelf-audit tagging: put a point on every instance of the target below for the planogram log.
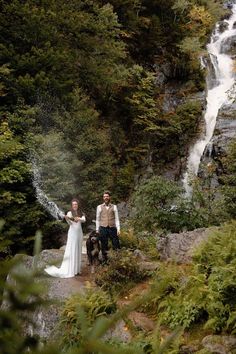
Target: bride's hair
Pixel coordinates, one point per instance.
(78, 212)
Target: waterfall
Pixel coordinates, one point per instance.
(220, 83)
(43, 199)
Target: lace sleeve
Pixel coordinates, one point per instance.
(69, 215)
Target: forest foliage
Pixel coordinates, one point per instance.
(80, 95)
(85, 318)
(196, 298)
(202, 294)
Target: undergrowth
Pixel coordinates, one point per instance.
(80, 312)
(120, 273)
(144, 241)
(204, 293)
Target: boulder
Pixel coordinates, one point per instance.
(140, 321)
(179, 247)
(45, 319)
(119, 332)
(220, 344)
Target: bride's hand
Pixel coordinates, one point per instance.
(77, 218)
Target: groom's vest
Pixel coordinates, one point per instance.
(107, 216)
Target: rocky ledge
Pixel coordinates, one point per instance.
(180, 247)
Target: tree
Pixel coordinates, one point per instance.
(54, 45)
(89, 143)
(152, 202)
(228, 179)
(18, 204)
(13, 176)
(35, 51)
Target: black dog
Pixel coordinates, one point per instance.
(93, 248)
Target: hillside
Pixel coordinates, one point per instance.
(93, 95)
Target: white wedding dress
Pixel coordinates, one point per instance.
(71, 264)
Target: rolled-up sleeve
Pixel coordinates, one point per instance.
(117, 221)
(98, 217)
(83, 218)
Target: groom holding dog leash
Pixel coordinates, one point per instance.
(107, 224)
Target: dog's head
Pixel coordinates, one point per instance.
(93, 237)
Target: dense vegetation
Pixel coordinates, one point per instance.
(161, 205)
(80, 95)
(199, 298)
(204, 293)
(84, 91)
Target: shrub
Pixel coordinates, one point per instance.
(121, 271)
(80, 311)
(228, 178)
(144, 241)
(216, 260)
(152, 202)
(128, 239)
(165, 282)
(175, 297)
(207, 292)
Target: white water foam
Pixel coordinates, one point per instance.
(219, 95)
(43, 199)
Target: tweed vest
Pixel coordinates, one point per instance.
(107, 216)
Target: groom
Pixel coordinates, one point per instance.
(107, 224)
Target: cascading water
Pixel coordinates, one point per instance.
(43, 199)
(220, 83)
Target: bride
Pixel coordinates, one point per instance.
(71, 264)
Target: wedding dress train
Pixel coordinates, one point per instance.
(71, 264)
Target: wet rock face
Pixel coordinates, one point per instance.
(228, 46)
(123, 210)
(225, 132)
(180, 247)
(223, 26)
